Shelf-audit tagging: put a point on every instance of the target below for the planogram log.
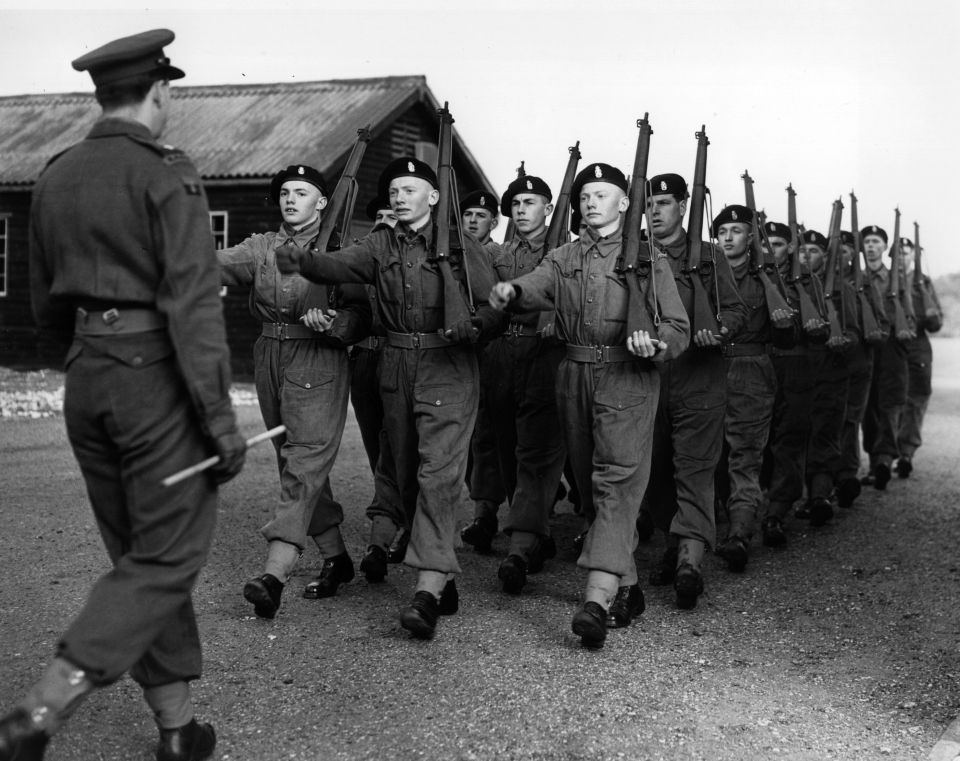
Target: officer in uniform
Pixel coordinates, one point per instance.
(302, 379)
(428, 371)
(607, 386)
(926, 307)
(121, 255)
(688, 436)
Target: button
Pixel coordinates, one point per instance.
(137, 361)
(306, 385)
(437, 402)
(409, 306)
(409, 264)
(596, 256)
(408, 286)
(590, 300)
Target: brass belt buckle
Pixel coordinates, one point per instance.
(415, 339)
(110, 316)
(599, 349)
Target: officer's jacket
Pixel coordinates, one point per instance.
(283, 298)
(120, 220)
(402, 266)
(591, 298)
(718, 281)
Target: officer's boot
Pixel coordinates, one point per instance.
(24, 732)
(688, 581)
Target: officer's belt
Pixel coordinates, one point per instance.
(417, 340)
(373, 343)
(598, 355)
(519, 329)
(113, 321)
(796, 351)
(284, 331)
(745, 350)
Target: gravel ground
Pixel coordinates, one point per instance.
(844, 645)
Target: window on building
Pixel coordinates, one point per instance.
(4, 238)
(218, 226)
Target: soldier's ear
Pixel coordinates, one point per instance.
(624, 203)
(548, 209)
(434, 197)
(321, 203)
(494, 222)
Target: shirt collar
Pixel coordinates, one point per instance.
(605, 244)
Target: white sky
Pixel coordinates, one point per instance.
(829, 95)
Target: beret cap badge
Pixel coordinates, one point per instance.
(597, 171)
(529, 185)
(663, 185)
(411, 167)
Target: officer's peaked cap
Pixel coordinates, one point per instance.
(130, 59)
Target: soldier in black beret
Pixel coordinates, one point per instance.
(607, 385)
(778, 235)
(688, 436)
(379, 211)
(526, 202)
(122, 258)
(479, 215)
(306, 329)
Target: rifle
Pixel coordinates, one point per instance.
(557, 231)
(872, 332)
(901, 328)
(704, 317)
(811, 320)
(928, 306)
(344, 195)
(760, 265)
(629, 263)
(512, 228)
(830, 279)
(455, 309)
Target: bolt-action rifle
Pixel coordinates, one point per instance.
(511, 230)
(872, 332)
(761, 266)
(557, 230)
(704, 317)
(832, 285)
(343, 199)
(928, 307)
(811, 320)
(456, 308)
(637, 270)
(902, 330)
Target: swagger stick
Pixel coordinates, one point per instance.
(201, 466)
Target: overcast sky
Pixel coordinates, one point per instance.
(830, 96)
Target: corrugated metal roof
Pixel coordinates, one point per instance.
(230, 131)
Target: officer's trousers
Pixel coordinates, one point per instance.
(607, 413)
(131, 425)
(303, 385)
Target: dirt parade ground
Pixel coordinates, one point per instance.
(843, 645)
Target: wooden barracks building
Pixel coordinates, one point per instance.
(238, 136)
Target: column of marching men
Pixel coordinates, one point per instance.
(670, 379)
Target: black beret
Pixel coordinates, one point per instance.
(673, 184)
(300, 172)
(129, 59)
(480, 199)
(526, 184)
(733, 213)
(406, 166)
(846, 237)
(598, 173)
(777, 230)
(375, 205)
(813, 238)
(906, 242)
(873, 230)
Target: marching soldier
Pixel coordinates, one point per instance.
(688, 436)
(607, 387)
(302, 380)
(121, 255)
(428, 373)
(479, 215)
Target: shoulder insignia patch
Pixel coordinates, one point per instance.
(192, 188)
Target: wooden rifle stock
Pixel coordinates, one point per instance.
(557, 233)
(774, 298)
(704, 317)
(901, 327)
(811, 320)
(872, 332)
(511, 230)
(928, 307)
(635, 271)
(344, 195)
(832, 292)
(455, 308)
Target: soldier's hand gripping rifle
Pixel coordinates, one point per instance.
(781, 313)
(832, 285)
(872, 332)
(456, 312)
(811, 320)
(511, 227)
(902, 329)
(638, 272)
(929, 311)
(704, 316)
